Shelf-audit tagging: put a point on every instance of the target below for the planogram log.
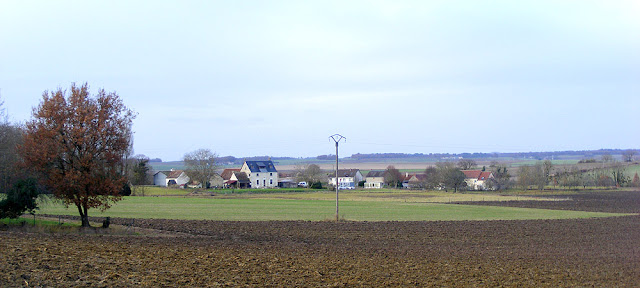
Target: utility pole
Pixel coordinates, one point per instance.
(337, 138)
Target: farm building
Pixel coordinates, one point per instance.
(414, 181)
(171, 177)
(286, 180)
(476, 178)
(233, 178)
(347, 178)
(374, 179)
(262, 174)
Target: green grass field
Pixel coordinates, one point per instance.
(30, 221)
(257, 209)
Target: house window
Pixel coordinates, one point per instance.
(257, 183)
(270, 181)
(257, 174)
(270, 174)
(264, 182)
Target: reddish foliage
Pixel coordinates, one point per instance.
(78, 142)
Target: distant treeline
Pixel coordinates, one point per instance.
(584, 154)
(530, 155)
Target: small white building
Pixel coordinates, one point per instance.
(262, 174)
(347, 178)
(171, 177)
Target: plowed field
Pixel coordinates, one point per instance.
(603, 252)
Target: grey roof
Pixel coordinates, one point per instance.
(242, 177)
(376, 173)
(345, 173)
(261, 166)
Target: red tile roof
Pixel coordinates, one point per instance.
(477, 174)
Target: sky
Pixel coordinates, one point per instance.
(277, 78)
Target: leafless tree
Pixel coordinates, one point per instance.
(618, 174)
(501, 178)
(450, 176)
(524, 177)
(392, 176)
(628, 155)
(547, 166)
(310, 173)
(202, 165)
(606, 158)
(466, 164)
(10, 137)
(431, 179)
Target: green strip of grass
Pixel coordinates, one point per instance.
(167, 191)
(314, 210)
(29, 221)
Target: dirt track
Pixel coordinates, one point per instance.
(553, 253)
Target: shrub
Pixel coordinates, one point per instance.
(21, 198)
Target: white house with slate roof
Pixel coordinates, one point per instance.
(262, 174)
(347, 178)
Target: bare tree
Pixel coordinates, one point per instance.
(547, 166)
(450, 176)
(466, 164)
(3, 115)
(431, 179)
(202, 165)
(606, 158)
(627, 156)
(10, 137)
(618, 174)
(524, 177)
(392, 176)
(539, 175)
(501, 178)
(310, 173)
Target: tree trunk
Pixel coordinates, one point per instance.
(83, 216)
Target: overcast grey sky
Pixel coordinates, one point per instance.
(278, 78)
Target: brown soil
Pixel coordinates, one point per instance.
(609, 201)
(602, 252)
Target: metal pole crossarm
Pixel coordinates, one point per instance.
(337, 138)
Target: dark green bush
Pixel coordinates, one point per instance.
(20, 198)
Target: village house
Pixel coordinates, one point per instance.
(374, 179)
(233, 178)
(169, 178)
(347, 178)
(476, 179)
(261, 174)
(414, 181)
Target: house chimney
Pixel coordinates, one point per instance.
(406, 174)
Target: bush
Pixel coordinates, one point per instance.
(316, 185)
(21, 198)
(126, 190)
